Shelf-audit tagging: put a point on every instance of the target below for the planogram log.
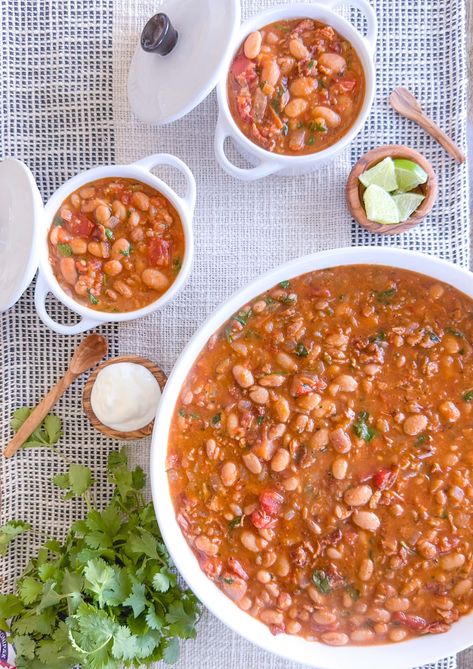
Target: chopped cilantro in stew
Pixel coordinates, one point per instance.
(116, 245)
(327, 488)
(296, 86)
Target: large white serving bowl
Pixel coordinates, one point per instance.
(292, 165)
(402, 655)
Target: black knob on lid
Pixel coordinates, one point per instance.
(159, 35)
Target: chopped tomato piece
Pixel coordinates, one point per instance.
(271, 501)
(384, 478)
(262, 520)
(80, 225)
(347, 85)
(412, 622)
(159, 252)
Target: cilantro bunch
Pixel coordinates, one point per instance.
(107, 596)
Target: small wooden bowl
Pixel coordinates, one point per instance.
(145, 431)
(355, 189)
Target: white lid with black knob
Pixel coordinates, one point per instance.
(180, 57)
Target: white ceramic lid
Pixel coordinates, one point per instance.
(162, 89)
(19, 249)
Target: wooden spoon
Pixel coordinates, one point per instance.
(91, 349)
(407, 105)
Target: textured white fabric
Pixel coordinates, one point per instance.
(244, 229)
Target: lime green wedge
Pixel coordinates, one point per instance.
(383, 175)
(409, 174)
(407, 203)
(380, 206)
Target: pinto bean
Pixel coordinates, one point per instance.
(366, 569)
(271, 617)
(282, 409)
(259, 395)
(323, 617)
(243, 376)
(248, 539)
(339, 468)
(229, 474)
(461, 588)
(303, 86)
(397, 604)
(335, 638)
(140, 200)
(87, 192)
(397, 634)
(291, 483)
(340, 440)
(68, 270)
(452, 561)
(415, 424)
(235, 588)
(346, 383)
(280, 460)
(331, 118)
(154, 279)
(102, 214)
(362, 636)
(286, 361)
(112, 267)
(252, 462)
(203, 543)
(78, 245)
(367, 520)
(272, 380)
(332, 63)
(252, 46)
(120, 248)
(122, 288)
(296, 107)
(358, 496)
(119, 210)
(449, 411)
(270, 71)
(319, 439)
(298, 49)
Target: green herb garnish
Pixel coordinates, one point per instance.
(10, 531)
(311, 140)
(107, 596)
(109, 233)
(235, 522)
(321, 581)
(353, 592)
(384, 295)
(362, 428)
(260, 420)
(434, 337)
(468, 395)
(126, 252)
(311, 64)
(46, 435)
(57, 220)
(182, 412)
(216, 419)
(176, 264)
(380, 336)
(243, 316)
(455, 333)
(284, 284)
(421, 439)
(65, 250)
(301, 350)
(91, 296)
(285, 129)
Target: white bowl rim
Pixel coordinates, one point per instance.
(410, 653)
(348, 30)
(130, 171)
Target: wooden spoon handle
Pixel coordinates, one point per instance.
(441, 137)
(38, 414)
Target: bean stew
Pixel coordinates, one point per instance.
(295, 87)
(116, 245)
(320, 457)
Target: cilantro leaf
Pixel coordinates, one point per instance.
(321, 581)
(46, 435)
(137, 599)
(362, 428)
(9, 531)
(161, 582)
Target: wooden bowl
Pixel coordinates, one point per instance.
(355, 189)
(145, 431)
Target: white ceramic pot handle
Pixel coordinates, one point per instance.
(40, 294)
(167, 159)
(368, 12)
(252, 173)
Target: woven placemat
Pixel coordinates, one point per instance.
(64, 67)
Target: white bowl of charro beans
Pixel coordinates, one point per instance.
(297, 90)
(311, 460)
(117, 245)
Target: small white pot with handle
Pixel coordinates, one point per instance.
(266, 162)
(141, 171)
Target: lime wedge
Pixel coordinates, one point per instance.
(383, 175)
(407, 203)
(409, 174)
(380, 206)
